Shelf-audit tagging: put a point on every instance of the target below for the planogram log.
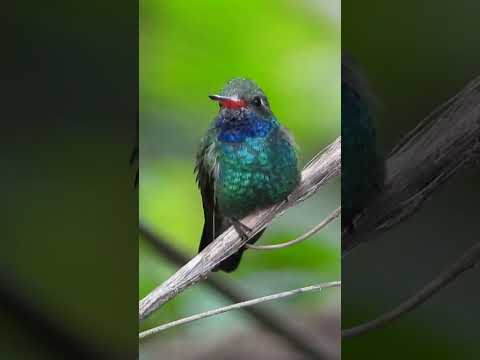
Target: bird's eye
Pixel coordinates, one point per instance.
(257, 101)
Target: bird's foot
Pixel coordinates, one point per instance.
(240, 228)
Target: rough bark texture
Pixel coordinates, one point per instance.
(441, 145)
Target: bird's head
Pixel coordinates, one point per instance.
(241, 93)
(244, 109)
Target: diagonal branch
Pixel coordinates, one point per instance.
(466, 262)
(324, 166)
(281, 326)
(441, 145)
(240, 305)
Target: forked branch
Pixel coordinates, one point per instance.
(322, 168)
(441, 145)
(281, 325)
(435, 150)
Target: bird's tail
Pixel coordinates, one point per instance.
(230, 263)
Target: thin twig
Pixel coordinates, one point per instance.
(439, 147)
(324, 167)
(256, 301)
(278, 324)
(468, 260)
(305, 236)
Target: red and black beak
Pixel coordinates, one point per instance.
(229, 102)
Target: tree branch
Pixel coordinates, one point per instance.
(281, 326)
(322, 168)
(442, 144)
(301, 238)
(244, 304)
(466, 262)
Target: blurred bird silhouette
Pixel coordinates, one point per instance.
(362, 165)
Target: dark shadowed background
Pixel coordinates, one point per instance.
(416, 56)
(68, 250)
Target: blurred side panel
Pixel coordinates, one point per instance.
(414, 56)
(68, 251)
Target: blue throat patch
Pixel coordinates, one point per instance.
(250, 126)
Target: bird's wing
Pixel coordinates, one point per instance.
(206, 169)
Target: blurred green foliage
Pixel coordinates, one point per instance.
(189, 50)
(69, 207)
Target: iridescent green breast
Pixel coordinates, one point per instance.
(255, 173)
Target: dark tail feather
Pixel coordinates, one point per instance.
(231, 263)
(207, 233)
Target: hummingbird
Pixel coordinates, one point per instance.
(246, 161)
(362, 164)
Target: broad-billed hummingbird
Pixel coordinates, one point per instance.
(246, 161)
(362, 165)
